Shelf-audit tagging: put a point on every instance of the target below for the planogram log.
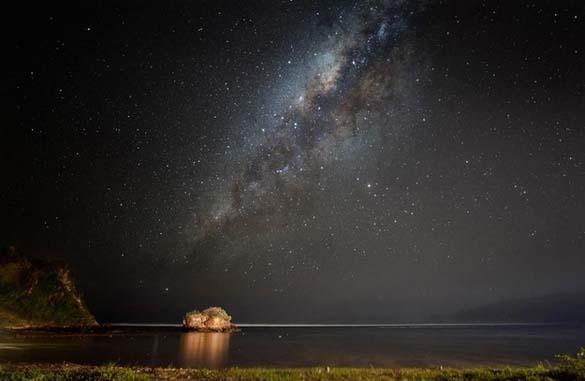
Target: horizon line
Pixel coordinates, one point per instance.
(347, 325)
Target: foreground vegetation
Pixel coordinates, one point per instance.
(568, 368)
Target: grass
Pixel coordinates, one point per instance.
(568, 368)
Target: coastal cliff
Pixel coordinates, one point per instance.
(39, 293)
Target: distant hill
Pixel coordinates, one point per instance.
(36, 292)
(567, 307)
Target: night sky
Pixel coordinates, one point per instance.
(299, 161)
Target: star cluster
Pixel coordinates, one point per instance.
(403, 158)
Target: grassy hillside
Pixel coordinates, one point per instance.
(38, 293)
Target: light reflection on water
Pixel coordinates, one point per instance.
(301, 346)
(204, 349)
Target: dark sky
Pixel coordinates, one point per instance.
(299, 161)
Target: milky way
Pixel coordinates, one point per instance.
(354, 91)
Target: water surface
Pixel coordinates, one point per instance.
(288, 346)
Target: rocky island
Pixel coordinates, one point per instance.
(38, 293)
(212, 319)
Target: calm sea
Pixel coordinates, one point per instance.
(300, 346)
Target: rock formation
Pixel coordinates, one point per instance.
(213, 319)
(39, 293)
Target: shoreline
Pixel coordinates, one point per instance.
(176, 326)
(145, 328)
